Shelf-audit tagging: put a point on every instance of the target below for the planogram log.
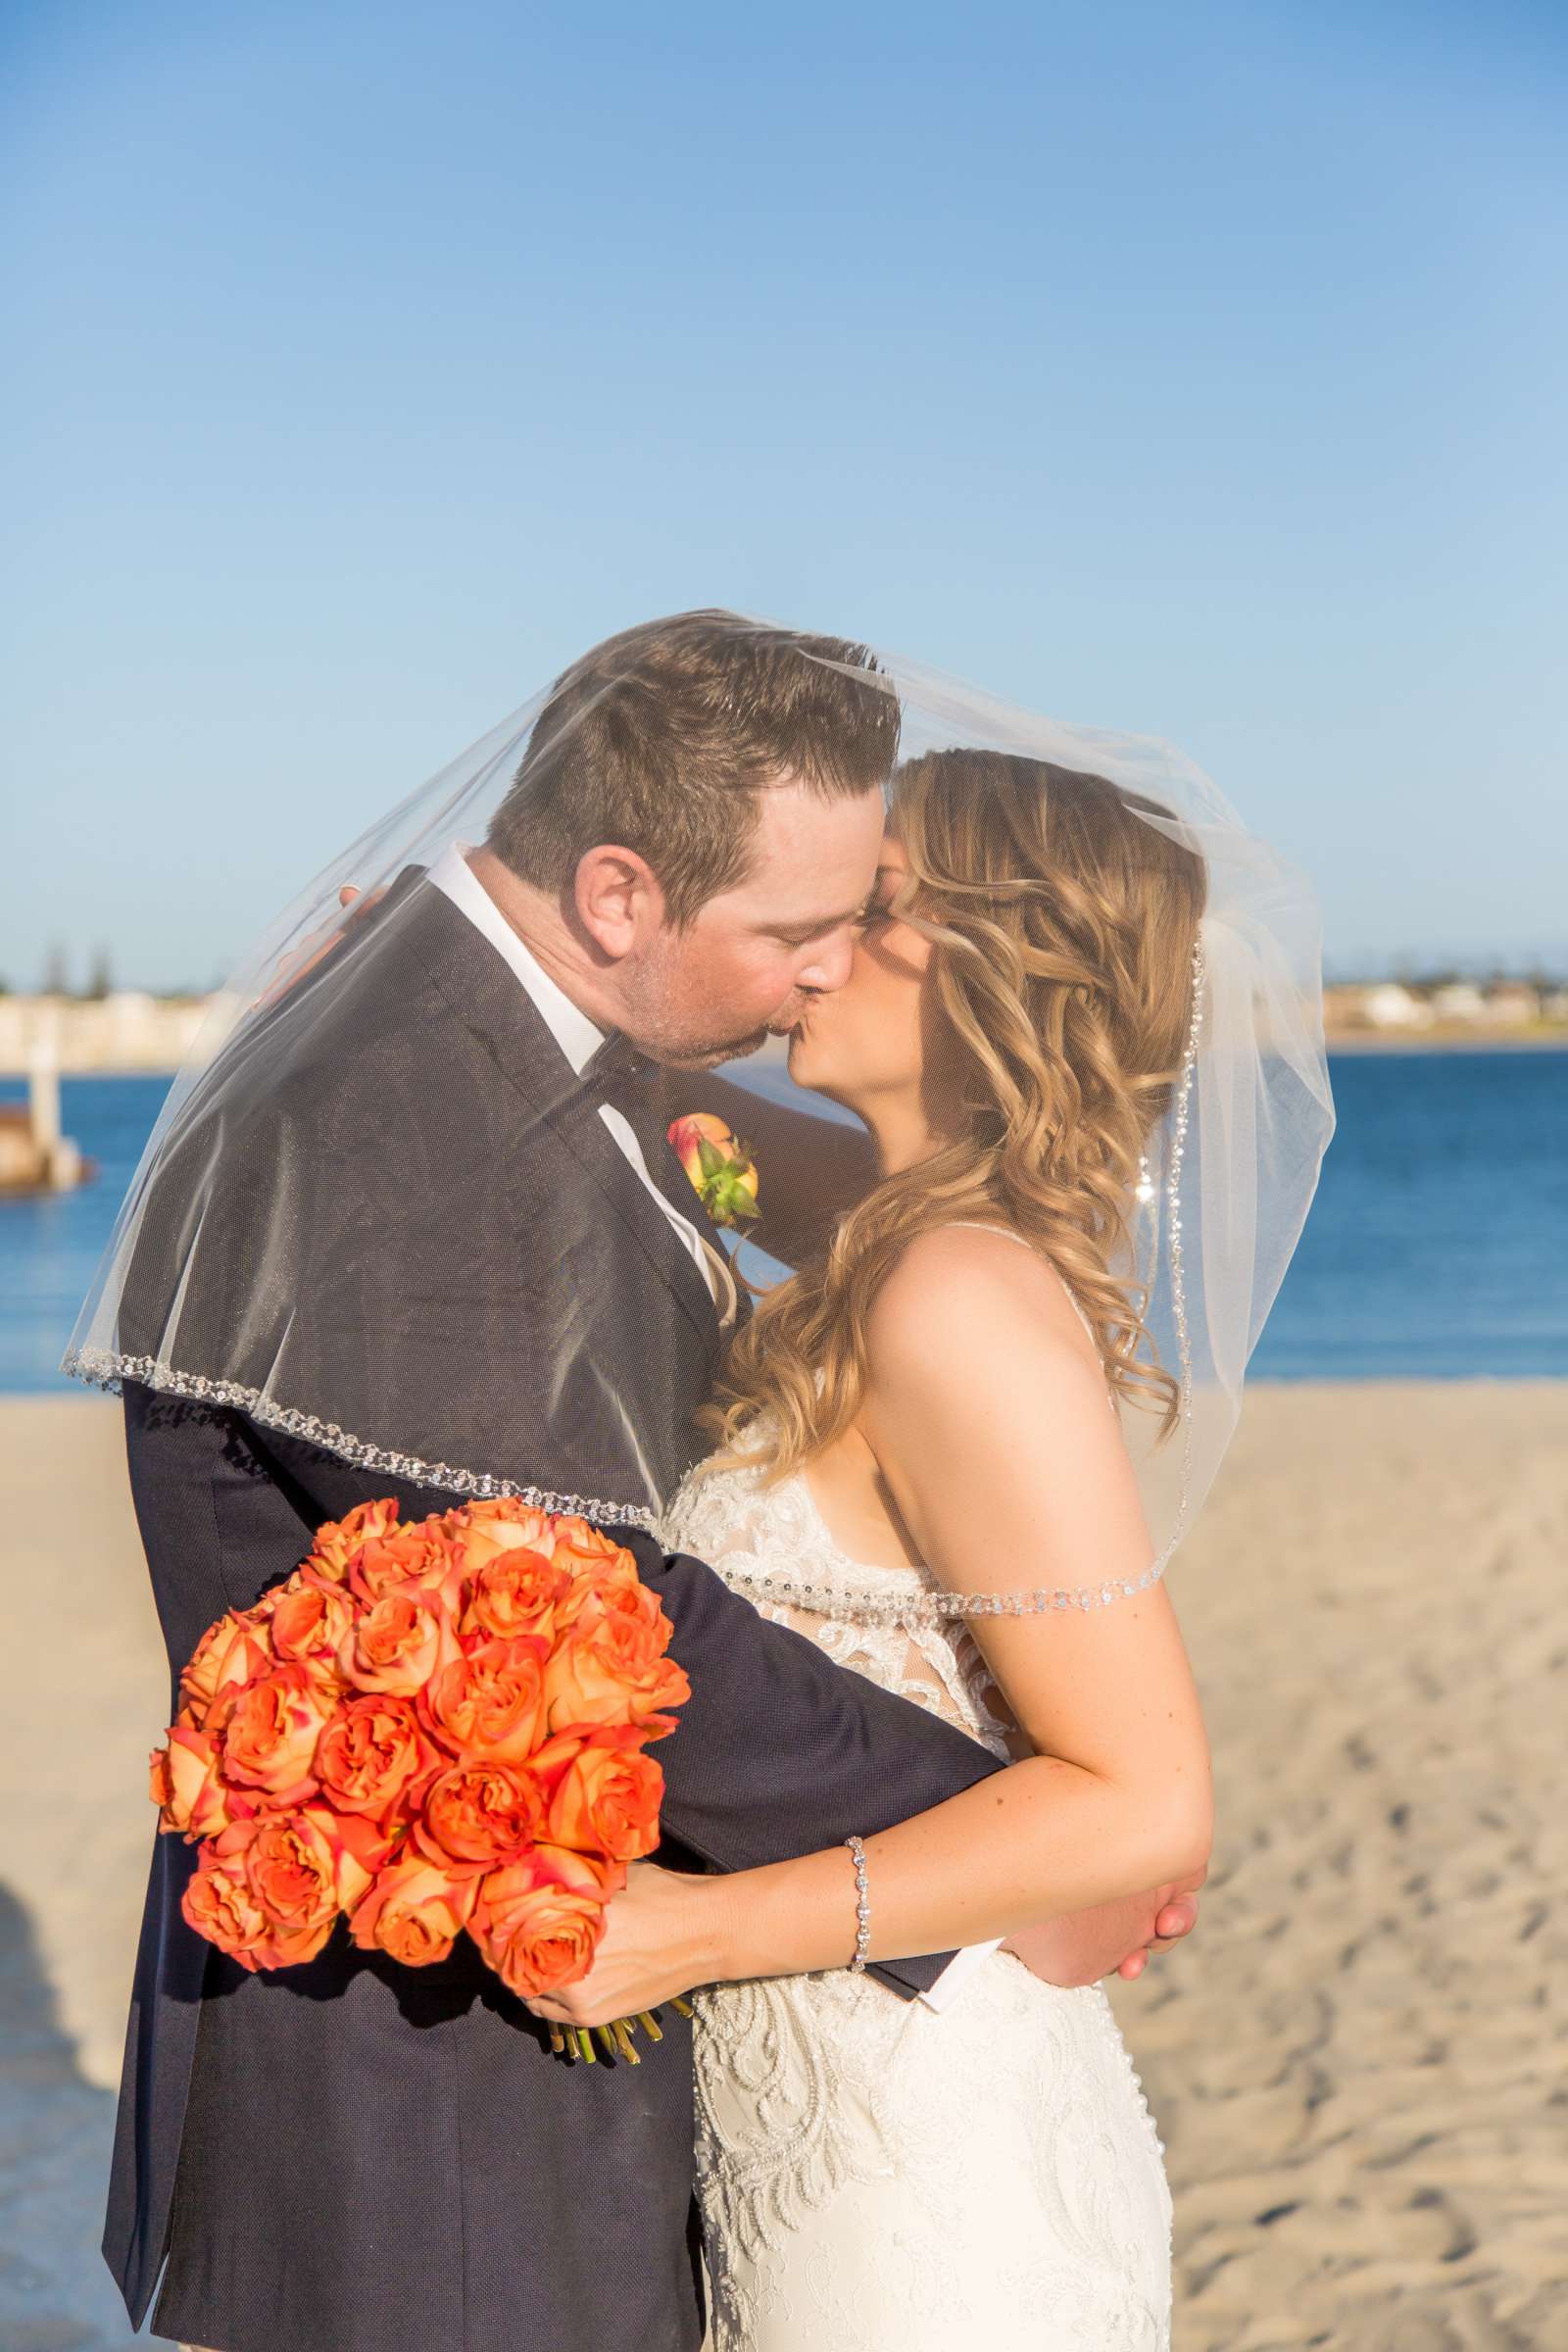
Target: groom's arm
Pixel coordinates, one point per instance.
(780, 1752)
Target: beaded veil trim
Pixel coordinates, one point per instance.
(103, 1370)
(774, 1588)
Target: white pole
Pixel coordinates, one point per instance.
(58, 1162)
(43, 1099)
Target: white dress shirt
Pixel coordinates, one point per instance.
(579, 1039)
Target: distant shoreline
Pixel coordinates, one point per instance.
(1448, 1041)
(1337, 1041)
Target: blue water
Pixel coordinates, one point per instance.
(1437, 1248)
(50, 1242)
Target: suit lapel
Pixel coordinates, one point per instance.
(493, 1004)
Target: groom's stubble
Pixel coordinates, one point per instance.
(754, 957)
(748, 961)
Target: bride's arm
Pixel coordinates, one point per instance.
(986, 1411)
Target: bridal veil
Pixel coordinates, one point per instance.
(263, 1306)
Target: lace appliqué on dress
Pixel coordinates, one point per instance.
(770, 1539)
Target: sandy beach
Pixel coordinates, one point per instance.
(1359, 2064)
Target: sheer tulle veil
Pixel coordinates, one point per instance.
(1231, 1167)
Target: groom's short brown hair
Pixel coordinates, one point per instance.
(661, 739)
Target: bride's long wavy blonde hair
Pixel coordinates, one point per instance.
(1065, 927)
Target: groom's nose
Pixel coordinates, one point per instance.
(829, 966)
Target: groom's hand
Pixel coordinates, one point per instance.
(1113, 1939)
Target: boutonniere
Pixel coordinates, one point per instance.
(721, 1166)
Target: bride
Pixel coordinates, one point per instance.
(915, 1433)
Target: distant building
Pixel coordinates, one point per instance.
(1459, 1001)
(1513, 1002)
(1341, 1007)
(124, 1031)
(1392, 1005)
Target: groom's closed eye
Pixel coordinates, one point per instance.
(803, 935)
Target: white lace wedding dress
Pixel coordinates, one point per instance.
(876, 2176)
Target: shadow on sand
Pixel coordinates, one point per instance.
(55, 2133)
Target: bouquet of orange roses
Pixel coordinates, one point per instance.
(432, 1730)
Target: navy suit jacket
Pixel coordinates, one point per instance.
(354, 2156)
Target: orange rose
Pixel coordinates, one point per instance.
(610, 1591)
(538, 1922)
(483, 1530)
(486, 1707)
(232, 1653)
(373, 1755)
(222, 1904)
(687, 1136)
(613, 1670)
(218, 1904)
(513, 1594)
(397, 1645)
(271, 1738)
(418, 1555)
(339, 1541)
(187, 1786)
(306, 1867)
(577, 1543)
(416, 1910)
(311, 1620)
(485, 1813)
(605, 1798)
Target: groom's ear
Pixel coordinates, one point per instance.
(618, 901)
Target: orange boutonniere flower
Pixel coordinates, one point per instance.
(721, 1166)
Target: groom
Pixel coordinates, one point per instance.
(426, 1233)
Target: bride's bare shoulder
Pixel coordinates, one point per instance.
(967, 1295)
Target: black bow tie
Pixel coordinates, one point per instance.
(619, 1074)
(616, 1070)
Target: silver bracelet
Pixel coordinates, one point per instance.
(863, 1907)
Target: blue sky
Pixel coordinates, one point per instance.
(1197, 369)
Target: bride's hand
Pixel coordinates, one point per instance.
(662, 1935)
